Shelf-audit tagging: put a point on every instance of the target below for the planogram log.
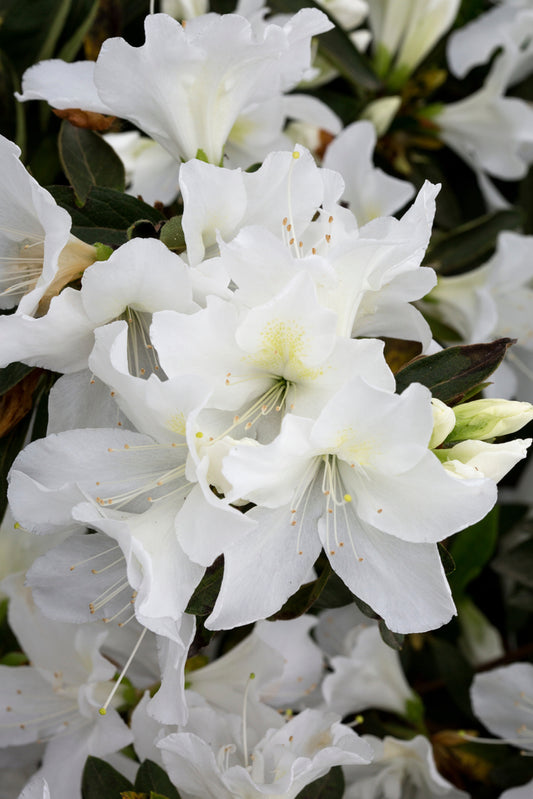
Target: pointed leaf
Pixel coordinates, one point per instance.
(13, 374)
(517, 563)
(88, 160)
(106, 215)
(471, 550)
(152, 779)
(304, 598)
(469, 245)
(102, 781)
(455, 371)
(203, 599)
(394, 640)
(331, 786)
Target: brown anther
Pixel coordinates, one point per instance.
(291, 241)
(293, 523)
(328, 238)
(361, 560)
(284, 221)
(341, 543)
(332, 552)
(112, 393)
(330, 220)
(289, 228)
(379, 510)
(300, 244)
(313, 250)
(300, 552)
(119, 424)
(9, 709)
(126, 446)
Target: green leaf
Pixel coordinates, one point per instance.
(336, 47)
(152, 779)
(10, 446)
(471, 550)
(392, 639)
(454, 670)
(88, 160)
(14, 659)
(102, 781)
(517, 563)
(55, 25)
(331, 786)
(469, 245)
(304, 598)
(106, 215)
(455, 371)
(172, 234)
(71, 47)
(448, 563)
(13, 374)
(366, 609)
(203, 600)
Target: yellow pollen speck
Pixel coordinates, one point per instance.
(17, 526)
(295, 155)
(347, 498)
(199, 435)
(110, 449)
(102, 711)
(126, 446)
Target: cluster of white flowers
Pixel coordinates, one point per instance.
(230, 401)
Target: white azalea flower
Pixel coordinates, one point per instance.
(367, 674)
(37, 788)
(58, 697)
(399, 769)
(369, 192)
(492, 133)
(151, 171)
(214, 760)
(502, 700)
(508, 25)
(191, 84)
(360, 483)
(404, 33)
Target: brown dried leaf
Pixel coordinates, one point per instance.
(18, 401)
(89, 120)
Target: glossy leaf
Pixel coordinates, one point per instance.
(304, 598)
(106, 216)
(203, 599)
(88, 160)
(452, 373)
(471, 550)
(517, 563)
(152, 779)
(12, 374)
(330, 786)
(102, 781)
(470, 245)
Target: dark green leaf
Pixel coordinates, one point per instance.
(88, 160)
(12, 374)
(106, 216)
(471, 550)
(304, 598)
(102, 781)
(331, 786)
(336, 46)
(152, 778)
(448, 563)
(14, 659)
(203, 600)
(172, 234)
(394, 640)
(469, 245)
(335, 594)
(454, 670)
(453, 372)
(10, 446)
(366, 609)
(522, 598)
(517, 563)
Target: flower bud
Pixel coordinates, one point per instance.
(488, 418)
(443, 422)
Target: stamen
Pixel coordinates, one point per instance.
(103, 709)
(244, 708)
